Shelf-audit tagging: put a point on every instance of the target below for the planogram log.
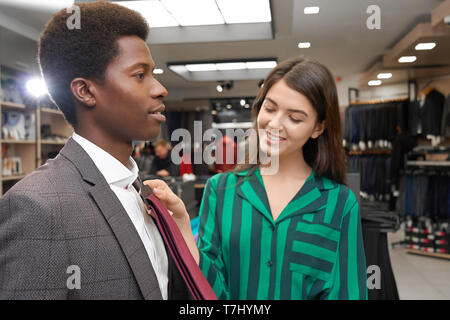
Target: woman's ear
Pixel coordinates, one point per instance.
(83, 91)
(318, 130)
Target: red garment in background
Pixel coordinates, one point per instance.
(227, 145)
(185, 165)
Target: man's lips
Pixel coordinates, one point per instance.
(156, 113)
(159, 109)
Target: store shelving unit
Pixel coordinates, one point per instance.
(31, 151)
(429, 254)
(59, 126)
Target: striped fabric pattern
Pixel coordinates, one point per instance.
(314, 250)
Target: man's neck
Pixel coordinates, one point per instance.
(118, 149)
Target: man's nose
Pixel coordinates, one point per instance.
(158, 90)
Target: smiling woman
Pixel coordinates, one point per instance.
(294, 234)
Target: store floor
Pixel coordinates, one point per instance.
(418, 277)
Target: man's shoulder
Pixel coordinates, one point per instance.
(48, 178)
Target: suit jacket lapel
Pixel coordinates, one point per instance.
(117, 218)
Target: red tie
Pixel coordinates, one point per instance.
(192, 275)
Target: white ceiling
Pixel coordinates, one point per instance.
(338, 35)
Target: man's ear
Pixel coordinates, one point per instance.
(84, 92)
(318, 130)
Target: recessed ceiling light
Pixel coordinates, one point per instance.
(201, 67)
(158, 71)
(407, 59)
(386, 75)
(242, 102)
(247, 11)
(304, 45)
(374, 83)
(194, 12)
(219, 88)
(153, 11)
(231, 66)
(425, 46)
(261, 65)
(178, 68)
(222, 66)
(311, 10)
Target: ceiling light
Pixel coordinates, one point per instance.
(242, 102)
(219, 88)
(228, 106)
(374, 83)
(407, 59)
(231, 66)
(153, 11)
(425, 46)
(36, 87)
(48, 6)
(261, 65)
(311, 10)
(201, 67)
(158, 71)
(304, 45)
(247, 106)
(248, 11)
(178, 68)
(386, 75)
(194, 12)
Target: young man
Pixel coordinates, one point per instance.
(76, 227)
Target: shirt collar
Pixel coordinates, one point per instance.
(322, 183)
(113, 170)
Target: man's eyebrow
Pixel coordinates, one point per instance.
(290, 110)
(145, 65)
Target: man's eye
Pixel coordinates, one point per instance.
(140, 76)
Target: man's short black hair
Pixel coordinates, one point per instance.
(65, 54)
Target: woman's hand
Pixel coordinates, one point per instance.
(178, 210)
(170, 200)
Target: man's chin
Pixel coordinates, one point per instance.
(150, 135)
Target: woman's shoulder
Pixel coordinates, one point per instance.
(341, 192)
(222, 179)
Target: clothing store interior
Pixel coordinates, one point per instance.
(391, 65)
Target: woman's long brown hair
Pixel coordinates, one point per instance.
(324, 154)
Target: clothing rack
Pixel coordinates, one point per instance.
(370, 152)
(375, 101)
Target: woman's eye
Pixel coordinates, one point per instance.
(296, 120)
(140, 76)
(268, 109)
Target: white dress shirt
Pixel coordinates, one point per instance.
(120, 180)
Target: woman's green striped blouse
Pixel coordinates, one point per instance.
(314, 250)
